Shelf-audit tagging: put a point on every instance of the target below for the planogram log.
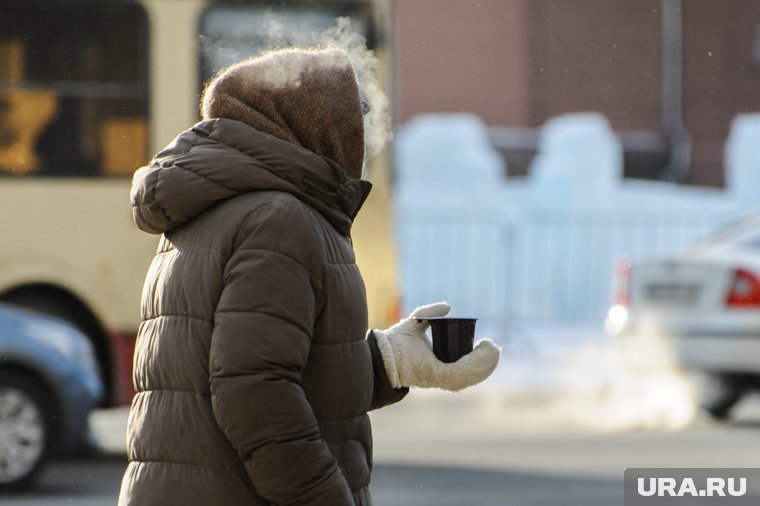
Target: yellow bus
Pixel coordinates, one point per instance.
(89, 89)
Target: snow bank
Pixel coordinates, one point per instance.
(543, 248)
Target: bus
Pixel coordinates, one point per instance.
(89, 90)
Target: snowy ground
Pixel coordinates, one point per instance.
(583, 377)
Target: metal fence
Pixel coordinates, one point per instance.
(540, 265)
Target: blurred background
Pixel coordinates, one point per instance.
(582, 176)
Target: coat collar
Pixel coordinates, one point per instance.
(220, 158)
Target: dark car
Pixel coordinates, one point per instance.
(49, 384)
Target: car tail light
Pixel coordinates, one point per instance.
(745, 290)
(622, 275)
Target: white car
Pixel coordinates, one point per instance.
(706, 303)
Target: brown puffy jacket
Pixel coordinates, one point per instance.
(252, 371)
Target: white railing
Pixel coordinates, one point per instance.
(541, 265)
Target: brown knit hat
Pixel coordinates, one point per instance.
(307, 97)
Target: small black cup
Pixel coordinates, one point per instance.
(452, 337)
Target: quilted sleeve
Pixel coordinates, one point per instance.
(260, 345)
(383, 393)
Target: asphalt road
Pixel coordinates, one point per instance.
(459, 451)
(96, 483)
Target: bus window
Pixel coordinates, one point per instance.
(230, 33)
(73, 88)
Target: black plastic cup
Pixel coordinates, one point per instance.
(452, 337)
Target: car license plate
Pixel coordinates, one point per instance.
(674, 294)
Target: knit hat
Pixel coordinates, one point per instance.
(307, 97)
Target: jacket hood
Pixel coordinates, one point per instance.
(221, 158)
(304, 96)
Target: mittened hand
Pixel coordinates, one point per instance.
(409, 360)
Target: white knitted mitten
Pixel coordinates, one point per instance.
(409, 361)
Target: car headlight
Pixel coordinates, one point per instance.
(617, 317)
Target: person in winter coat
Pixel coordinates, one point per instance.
(253, 369)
